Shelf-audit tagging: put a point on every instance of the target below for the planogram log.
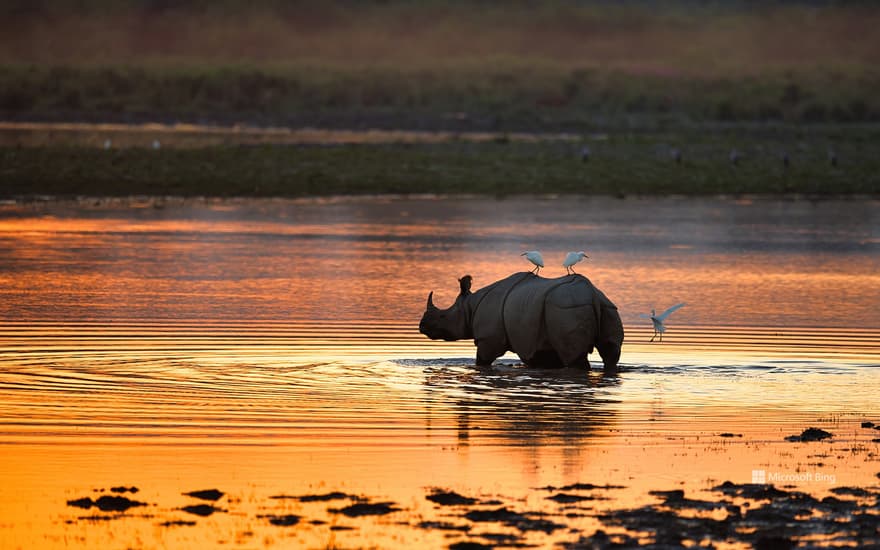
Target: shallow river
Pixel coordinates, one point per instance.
(270, 349)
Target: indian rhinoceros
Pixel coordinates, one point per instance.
(547, 322)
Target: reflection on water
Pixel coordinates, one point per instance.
(763, 264)
(269, 347)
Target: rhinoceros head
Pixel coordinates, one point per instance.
(448, 324)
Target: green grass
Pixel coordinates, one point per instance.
(620, 165)
(502, 95)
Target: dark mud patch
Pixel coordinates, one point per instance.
(360, 509)
(207, 494)
(106, 503)
(123, 489)
(96, 518)
(325, 497)
(443, 526)
(852, 492)
(810, 434)
(528, 521)
(753, 491)
(867, 424)
(470, 545)
(203, 510)
(768, 518)
(600, 540)
(177, 523)
(570, 498)
(286, 520)
(676, 499)
(729, 434)
(450, 498)
(582, 487)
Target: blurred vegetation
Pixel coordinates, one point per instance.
(572, 65)
(497, 97)
(619, 164)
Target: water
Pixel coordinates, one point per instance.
(271, 347)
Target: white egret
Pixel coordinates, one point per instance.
(676, 155)
(572, 258)
(657, 320)
(535, 257)
(832, 158)
(585, 153)
(156, 144)
(734, 157)
(108, 143)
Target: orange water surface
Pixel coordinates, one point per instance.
(270, 348)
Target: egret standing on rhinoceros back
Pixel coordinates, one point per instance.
(547, 322)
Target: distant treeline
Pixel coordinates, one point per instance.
(23, 6)
(449, 63)
(511, 98)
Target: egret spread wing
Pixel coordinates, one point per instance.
(666, 313)
(645, 315)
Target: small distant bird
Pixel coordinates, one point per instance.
(785, 160)
(832, 158)
(156, 144)
(585, 153)
(572, 258)
(676, 156)
(108, 143)
(734, 157)
(535, 257)
(657, 320)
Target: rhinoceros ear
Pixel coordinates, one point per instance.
(431, 301)
(465, 283)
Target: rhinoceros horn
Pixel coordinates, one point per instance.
(431, 300)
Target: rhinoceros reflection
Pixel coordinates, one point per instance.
(536, 407)
(547, 322)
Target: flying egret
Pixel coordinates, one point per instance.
(572, 258)
(657, 320)
(535, 257)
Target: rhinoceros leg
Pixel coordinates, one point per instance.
(610, 353)
(486, 355)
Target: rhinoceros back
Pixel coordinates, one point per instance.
(571, 318)
(546, 316)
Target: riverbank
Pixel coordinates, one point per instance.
(824, 160)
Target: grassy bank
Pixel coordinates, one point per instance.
(504, 95)
(618, 165)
